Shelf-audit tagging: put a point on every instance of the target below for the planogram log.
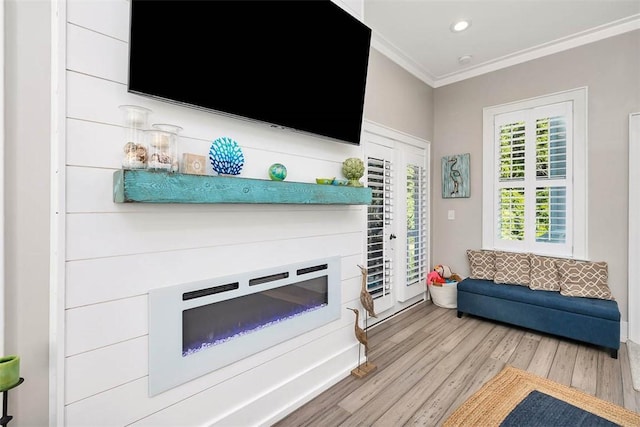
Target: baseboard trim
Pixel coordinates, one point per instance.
(294, 391)
(624, 331)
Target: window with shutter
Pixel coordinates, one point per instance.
(535, 171)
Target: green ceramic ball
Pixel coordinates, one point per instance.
(277, 172)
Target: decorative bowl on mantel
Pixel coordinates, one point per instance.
(325, 181)
(332, 181)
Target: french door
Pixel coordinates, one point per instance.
(397, 245)
(413, 227)
(380, 225)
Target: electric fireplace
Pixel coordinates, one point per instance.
(198, 327)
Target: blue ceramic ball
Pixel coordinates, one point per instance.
(277, 172)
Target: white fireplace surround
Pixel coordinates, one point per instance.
(167, 365)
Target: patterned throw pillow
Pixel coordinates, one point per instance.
(544, 273)
(481, 264)
(585, 279)
(512, 268)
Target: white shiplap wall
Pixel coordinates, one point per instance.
(116, 253)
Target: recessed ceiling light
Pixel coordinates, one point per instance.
(464, 59)
(461, 25)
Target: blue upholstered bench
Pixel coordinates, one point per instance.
(590, 320)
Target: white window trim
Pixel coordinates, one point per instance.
(578, 180)
(634, 227)
(2, 149)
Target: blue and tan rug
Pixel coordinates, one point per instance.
(516, 398)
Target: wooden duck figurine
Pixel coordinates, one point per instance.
(365, 297)
(361, 335)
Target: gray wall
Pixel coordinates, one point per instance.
(27, 172)
(398, 99)
(611, 70)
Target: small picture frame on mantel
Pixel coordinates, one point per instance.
(193, 164)
(455, 176)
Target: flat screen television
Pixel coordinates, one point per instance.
(300, 65)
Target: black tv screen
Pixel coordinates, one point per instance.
(300, 65)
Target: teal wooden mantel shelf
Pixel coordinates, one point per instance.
(141, 186)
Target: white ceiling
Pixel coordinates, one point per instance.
(416, 34)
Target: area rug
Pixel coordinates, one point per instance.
(518, 398)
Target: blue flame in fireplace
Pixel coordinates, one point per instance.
(213, 324)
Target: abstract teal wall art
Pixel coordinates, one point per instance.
(455, 176)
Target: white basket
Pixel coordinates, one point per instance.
(445, 296)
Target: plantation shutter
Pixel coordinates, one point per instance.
(417, 226)
(511, 183)
(379, 218)
(533, 193)
(551, 179)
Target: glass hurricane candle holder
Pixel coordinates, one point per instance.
(172, 147)
(136, 121)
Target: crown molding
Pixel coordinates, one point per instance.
(389, 50)
(595, 34)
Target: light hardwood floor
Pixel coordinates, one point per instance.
(429, 362)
